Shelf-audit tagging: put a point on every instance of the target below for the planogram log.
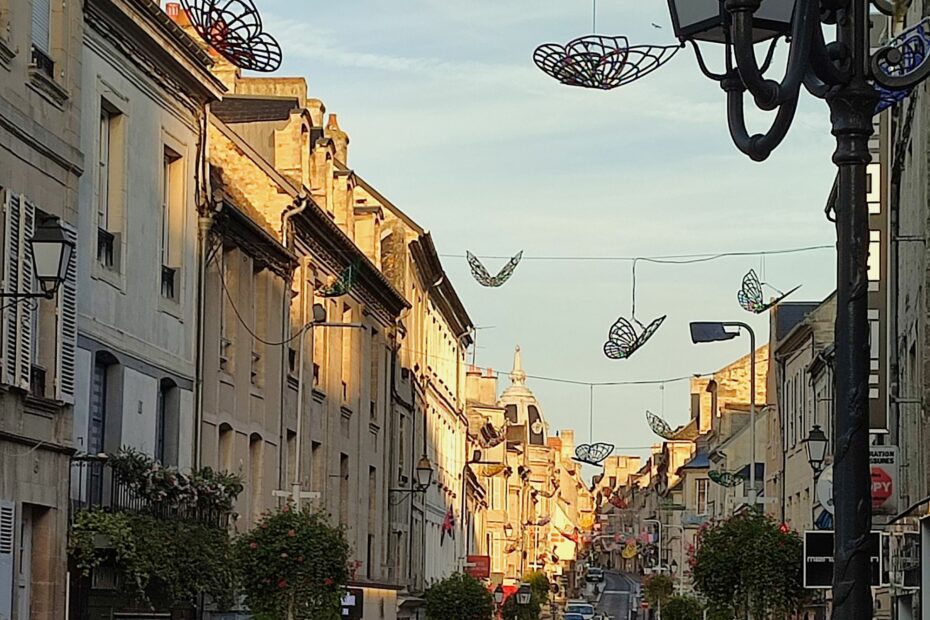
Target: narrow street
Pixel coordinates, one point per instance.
(619, 590)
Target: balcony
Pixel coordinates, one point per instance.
(96, 484)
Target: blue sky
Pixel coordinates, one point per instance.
(449, 117)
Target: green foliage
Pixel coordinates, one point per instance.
(682, 607)
(459, 597)
(657, 588)
(747, 564)
(293, 562)
(156, 558)
(540, 584)
(203, 490)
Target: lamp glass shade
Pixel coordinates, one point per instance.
(816, 444)
(51, 255)
(524, 594)
(708, 20)
(508, 530)
(705, 331)
(424, 472)
(498, 595)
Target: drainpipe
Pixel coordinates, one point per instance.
(204, 224)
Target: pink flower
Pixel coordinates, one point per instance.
(286, 508)
(282, 584)
(253, 546)
(291, 533)
(328, 581)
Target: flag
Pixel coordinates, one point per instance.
(448, 526)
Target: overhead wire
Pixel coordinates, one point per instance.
(674, 259)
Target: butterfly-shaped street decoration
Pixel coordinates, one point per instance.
(623, 341)
(510, 548)
(750, 295)
(484, 278)
(489, 471)
(540, 522)
(617, 502)
(593, 453)
(659, 426)
(725, 478)
(549, 494)
(574, 536)
(630, 551)
(234, 29)
(343, 284)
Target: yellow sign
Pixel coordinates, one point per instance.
(629, 552)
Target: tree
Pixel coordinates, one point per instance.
(539, 586)
(293, 564)
(657, 588)
(748, 564)
(682, 607)
(459, 597)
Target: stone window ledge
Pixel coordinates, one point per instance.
(47, 87)
(6, 52)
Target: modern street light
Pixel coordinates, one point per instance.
(716, 331)
(51, 253)
(840, 72)
(816, 445)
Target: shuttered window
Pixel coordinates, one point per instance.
(65, 355)
(19, 226)
(7, 529)
(41, 24)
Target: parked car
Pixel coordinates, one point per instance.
(595, 574)
(572, 617)
(585, 610)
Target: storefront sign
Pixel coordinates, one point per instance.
(883, 462)
(818, 559)
(353, 604)
(478, 566)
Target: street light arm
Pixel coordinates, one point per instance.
(769, 94)
(757, 146)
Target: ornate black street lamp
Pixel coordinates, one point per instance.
(816, 445)
(424, 477)
(524, 594)
(51, 252)
(842, 72)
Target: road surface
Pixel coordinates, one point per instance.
(618, 591)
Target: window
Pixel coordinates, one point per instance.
(320, 339)
(172, 197)
(292, 456)
(256, 449)
(167, 424)
(107, 165)
(375, 380)
(701, 486)
(346, 353)
(96, 427)
(259, 312)
(226, 286)
(372, 519)
(41, 36)
(317, 467)
(225, 447)
(343, 489)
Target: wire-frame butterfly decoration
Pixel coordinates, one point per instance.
(592, 453)
(725, 478)
(234, 29)
(599, 61)
(750, 295)
(623, 339)
(342, 284)
(901, 58)
(484, 278)
(659, 426)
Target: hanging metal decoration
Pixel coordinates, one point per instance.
(622, 339)
(902, 58)
(659, 426)
(343, 284)
(489, 471)
(630, 551)
(539, 522)
(234, 29)
(599, 61)
(482, 275)
(592, 453)
(725, 478)
(750, 294)
(617, 502)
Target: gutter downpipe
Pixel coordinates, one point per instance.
(288, 241)
(204, 224)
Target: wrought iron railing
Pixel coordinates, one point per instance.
(94, 484)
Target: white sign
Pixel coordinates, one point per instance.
(825, 489)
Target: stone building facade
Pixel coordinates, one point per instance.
(40, 164)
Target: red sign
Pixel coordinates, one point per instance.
(882, 486)
(644, 605)
(478, 566)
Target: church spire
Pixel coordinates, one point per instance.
(517, 376)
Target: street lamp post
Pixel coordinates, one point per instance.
(704, 331)
(51, 252)
(658, 541)
(839, 72)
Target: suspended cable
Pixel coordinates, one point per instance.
(675, 259)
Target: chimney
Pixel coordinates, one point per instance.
(339, 138)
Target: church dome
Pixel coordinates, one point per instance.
(521, 409)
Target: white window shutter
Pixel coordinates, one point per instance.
(7, 529)
(26, 282)
(11, 232)
(41, 24)
(65, 357)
